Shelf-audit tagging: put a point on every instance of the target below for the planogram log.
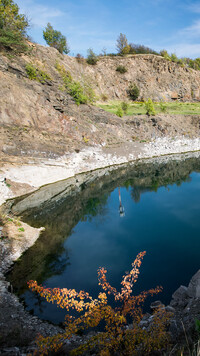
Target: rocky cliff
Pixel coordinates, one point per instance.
(39, 119)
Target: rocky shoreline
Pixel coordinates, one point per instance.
(17, 326)
(32, 173)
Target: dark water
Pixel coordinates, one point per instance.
(85, 231)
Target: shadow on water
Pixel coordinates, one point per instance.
(63, 206)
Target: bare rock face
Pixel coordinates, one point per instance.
(194, 286)
(186, 304)
(180, 297)
(156, 77)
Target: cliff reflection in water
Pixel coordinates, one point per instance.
(61, 206)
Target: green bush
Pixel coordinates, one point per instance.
(174, 58)
(76, 91)
(31, 72)
(11, 41)
(82, 94)
(91, 57)
(121, 69)
(36, 74)
(150, 109)
(165, 55)
(124, 106)
(163, 107)
(119, 112)
(133, 91)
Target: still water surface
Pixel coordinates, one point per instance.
(162, 216)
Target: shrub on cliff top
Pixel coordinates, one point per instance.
(91, 57)
(55, 39)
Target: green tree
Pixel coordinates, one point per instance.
(91, 57)
(13, 26)
(122, 44)
(133, 91)
(55, 39)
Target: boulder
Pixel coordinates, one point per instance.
(157, 304)
(194, 286)
(180, 297)
(174, 96)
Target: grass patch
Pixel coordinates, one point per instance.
(138, 108)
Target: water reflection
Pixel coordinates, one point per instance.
(121, 207)
(84, 229)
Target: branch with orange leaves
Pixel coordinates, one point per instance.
(96, 310)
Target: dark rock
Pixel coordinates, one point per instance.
(180, 294)
(170, 309)
(157, 304)
(194, 286)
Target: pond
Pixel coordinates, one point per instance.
(105, 219)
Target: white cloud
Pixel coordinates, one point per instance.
(194, 8)
(185, 50)
(38, 14)
(192, 31)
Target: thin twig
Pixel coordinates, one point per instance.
(186, 338)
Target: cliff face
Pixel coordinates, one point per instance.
(156, 77)
(40, 119)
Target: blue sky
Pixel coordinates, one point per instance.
(159, 24)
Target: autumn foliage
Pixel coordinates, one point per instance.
(116, 335)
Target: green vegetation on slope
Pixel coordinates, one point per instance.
(138, 108)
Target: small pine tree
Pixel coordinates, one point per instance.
(150, 109)
(91, 57)
(133, 91)
(125, 106)
(119, 112)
